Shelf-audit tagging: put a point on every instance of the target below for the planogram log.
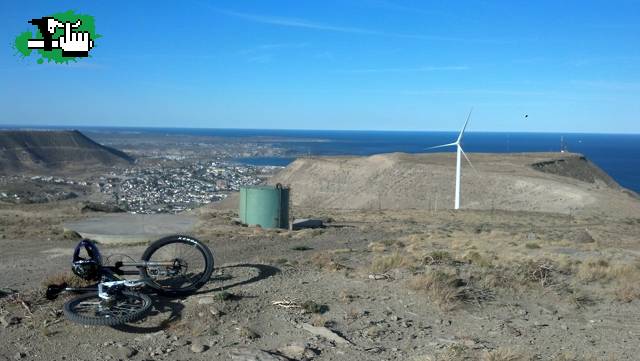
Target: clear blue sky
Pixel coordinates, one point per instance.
(335, 64)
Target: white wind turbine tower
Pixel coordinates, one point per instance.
(460, 152)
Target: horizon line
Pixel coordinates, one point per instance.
(71, 127)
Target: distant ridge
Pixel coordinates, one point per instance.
(35, 150)
(542, 182)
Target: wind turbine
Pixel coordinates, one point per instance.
(460, 152)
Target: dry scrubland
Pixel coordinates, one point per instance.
(411, 285)
(375, 284)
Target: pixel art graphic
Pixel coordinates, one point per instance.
(60, 37)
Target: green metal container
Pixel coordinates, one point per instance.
(267, 206)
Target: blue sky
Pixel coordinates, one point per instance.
(572, 66)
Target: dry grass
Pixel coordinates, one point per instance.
(327, 261)
(580, 298)
(67, 278)
(443, 288)
(346, 297)
(627, 293)
(438, 257)
(598, 269)
(377, 247)
(455, 352)
(593, 270)
(475, 258)
(320, 321)
(516, 276)
(538, 271)
(565, 356)
(384, 264)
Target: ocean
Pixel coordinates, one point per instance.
(617, 154)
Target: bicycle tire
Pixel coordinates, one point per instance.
(70, 310)
(178, 239)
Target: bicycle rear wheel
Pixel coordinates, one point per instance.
(90, 309)
(177, 264)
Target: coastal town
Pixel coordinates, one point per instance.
(176, 189)
(143, 190)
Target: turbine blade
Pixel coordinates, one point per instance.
(468, 160)
(464, 127)
(442, 146)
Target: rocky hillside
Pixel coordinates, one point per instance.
(578, 167)
(542, 182)
(54, 150)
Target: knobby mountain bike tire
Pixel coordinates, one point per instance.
(90, 309)
(193, 265)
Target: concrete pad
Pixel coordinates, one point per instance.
(306, 223)
(132, 228)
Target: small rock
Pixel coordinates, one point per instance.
(293, 351)
(198, 347)
(326, 333)
(70, 234)
(373, 331)
(20, 355)
(584, 237)
(246, 354)
(126, 352)
(180, 343)
(375, 349)
(469, 343)
(248, 333)
(216, 312)
(156, 335)
(206, 301)
(298, 352)
(9, 320)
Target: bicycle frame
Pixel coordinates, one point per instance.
(103, 287)
(110, 278)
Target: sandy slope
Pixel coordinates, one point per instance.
(425, 181)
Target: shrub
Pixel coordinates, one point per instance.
(386, 263)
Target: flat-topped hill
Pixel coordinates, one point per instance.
(543, 182)
(30, 150)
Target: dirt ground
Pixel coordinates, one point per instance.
(375, 285)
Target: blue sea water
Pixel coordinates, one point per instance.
(617, 154)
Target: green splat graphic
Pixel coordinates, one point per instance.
(55, 55)
(21, 44)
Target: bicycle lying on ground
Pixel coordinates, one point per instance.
(174, 265)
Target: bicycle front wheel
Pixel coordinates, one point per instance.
(90, 309)
(177, 264)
